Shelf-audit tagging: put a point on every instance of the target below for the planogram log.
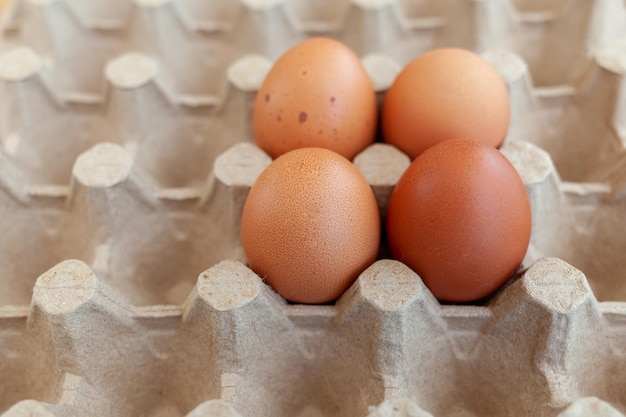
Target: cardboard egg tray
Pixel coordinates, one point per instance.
(126, 156)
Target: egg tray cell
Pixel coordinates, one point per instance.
(127, 155)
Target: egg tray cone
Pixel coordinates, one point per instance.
(126, 158)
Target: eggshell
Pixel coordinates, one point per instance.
(446, 93)
(317, 94)
(310, 225)
(460, 217)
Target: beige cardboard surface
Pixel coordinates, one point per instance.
(126, 155)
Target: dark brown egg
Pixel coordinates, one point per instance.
(460, 217)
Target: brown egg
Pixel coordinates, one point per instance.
(310, 225)
(316, 95)
(460, 217)
(445, 94)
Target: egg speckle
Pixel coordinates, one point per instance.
(460, 217)
(447, 93)
(317, 94)
(310, 225)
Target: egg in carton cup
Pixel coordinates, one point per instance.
(127, 156)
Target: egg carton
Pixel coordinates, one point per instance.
(125, 161)
(194, 40)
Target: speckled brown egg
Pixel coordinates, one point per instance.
(460, 217)
(317, 94)
(310, 225)
(447, 93)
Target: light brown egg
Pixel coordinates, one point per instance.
(446, 93)
(310, 225)
(460, 217)
(317, 94)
